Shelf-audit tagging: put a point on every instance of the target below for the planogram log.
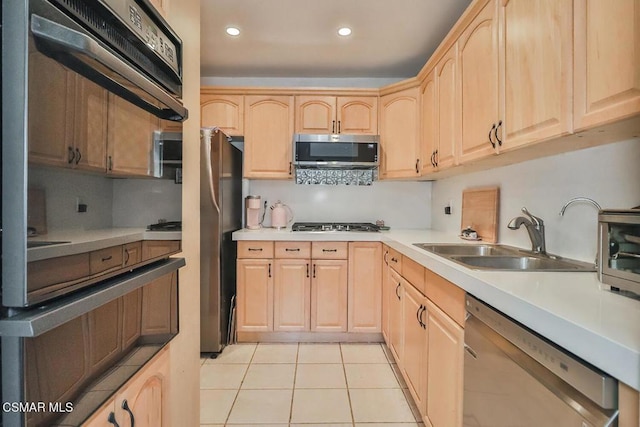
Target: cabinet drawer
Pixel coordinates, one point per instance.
(293, 249)
(445, 295)
(46, 272)
(132, 253)
(105, 259)
(329, 250)
(395, 260)
(158, 248)
(414, 273)
(255, 249)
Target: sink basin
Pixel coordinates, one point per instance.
(467, 249)
(39, 244)
(522, 263)
(502, 257)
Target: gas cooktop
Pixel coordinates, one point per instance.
(335, 226)
(166, 226)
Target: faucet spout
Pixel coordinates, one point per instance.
(535, 229)
(579, 199)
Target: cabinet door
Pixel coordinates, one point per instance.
(223, 111)
(132, 306)
(130, 138)
(105, 334)
(156, 305)
(386, 286)
(365, 287)
(606, 61)
(537, 70)
(268, 136)
(146, 396)
(445, 361)
(414, 331)
(428, 112)
(316, 114)
(159, 248)
(329, 295)
(357, 115)
(132, 254)
(448, 123)
(50, 136)
(395, 316)
(255, 295)
(399, 134)
(90, 130)
(101, 417)
(478, 60)
(292, 295)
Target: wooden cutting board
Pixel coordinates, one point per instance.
(480, 212)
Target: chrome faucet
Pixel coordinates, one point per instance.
(535, 228)
(579, 199)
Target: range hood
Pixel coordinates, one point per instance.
(336, 159)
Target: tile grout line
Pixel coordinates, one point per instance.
(235, 399)
(293, 387)
(346, 382)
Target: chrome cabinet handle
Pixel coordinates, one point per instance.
(78, 156)
(493, 144)
(125, 406)
(496, 133)
(71, 155)
(111, 419)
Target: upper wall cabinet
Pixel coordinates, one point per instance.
(607, 60)
(223, 111)
(268, 136)
(448, 109)
(478, 65)
(428, 111)
(342, 114)
(400, 134)
(537, 48)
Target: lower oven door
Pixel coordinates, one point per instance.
(504, 387)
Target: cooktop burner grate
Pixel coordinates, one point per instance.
(335, 226)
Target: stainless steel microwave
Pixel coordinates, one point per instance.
(336, 151)
(619, 255)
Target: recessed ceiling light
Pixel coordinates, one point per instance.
(233, 31)
(344, 31)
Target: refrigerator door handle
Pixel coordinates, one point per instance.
(205, 134)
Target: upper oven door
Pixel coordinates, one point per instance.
(336, 150)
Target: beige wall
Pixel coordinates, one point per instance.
(184, 17)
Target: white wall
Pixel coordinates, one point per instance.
(140, 202)
(609, 174)
(399, 204)
(297, 82)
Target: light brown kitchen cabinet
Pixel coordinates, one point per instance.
(448, 109)
(478, 61)
(132, 254)
(170, 126)
(129, 149)
(400, 134)
(538, 71)
(329, 282)
(428, 114)
(131, 311)
(445, 360)
(255, 295)
(90, 126)
(292, 286)
(606, 62)
(157, 300)
(365, 287)
(223, 111)
(268, 136)
(629, 404)
(341, 114)
(152, 249)
(105, 334)
(386, 286)
(414, 330)
(394, 297)
(142, 401)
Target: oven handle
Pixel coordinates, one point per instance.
(73, 49)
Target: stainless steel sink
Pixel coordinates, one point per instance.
(503, 258)
(39, 244)
(446, 249)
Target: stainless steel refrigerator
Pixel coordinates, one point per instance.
(220, 216)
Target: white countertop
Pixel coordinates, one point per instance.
(574, 310)
(90, 240)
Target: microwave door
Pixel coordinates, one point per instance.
(87, 57)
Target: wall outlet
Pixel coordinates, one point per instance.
(80, 207)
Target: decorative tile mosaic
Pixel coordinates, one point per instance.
(336, 176)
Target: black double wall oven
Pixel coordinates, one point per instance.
(85, 84)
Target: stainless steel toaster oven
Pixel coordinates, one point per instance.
(619, 242)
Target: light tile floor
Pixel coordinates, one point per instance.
(305, 385)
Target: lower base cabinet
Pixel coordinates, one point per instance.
(329, 295)
(414, 328)
(395, 317)
(255, 295)
(142, 402)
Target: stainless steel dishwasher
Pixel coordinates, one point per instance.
(516, 378)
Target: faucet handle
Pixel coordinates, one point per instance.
(536, 220)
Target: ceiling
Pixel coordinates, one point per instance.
(298, 38)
